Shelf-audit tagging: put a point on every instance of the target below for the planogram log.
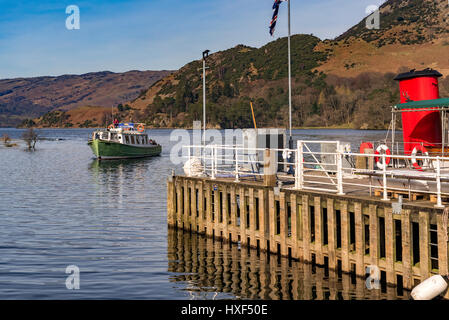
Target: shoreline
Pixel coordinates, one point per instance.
(211, 128)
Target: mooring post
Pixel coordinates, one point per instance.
(269, 168)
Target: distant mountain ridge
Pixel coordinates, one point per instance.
(22, 98)
(345, 82)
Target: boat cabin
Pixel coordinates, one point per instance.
(124, 134)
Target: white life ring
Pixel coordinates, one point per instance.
(424, 151)
(378, 160)
(194, 167)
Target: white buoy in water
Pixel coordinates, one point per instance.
(194, 167)
(430, 288)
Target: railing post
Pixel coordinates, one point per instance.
(297, 183)
(190, 166)
(301, 165)
(236, 165)
(384, 161)
(216, 161)
(340, 171)
(212, 161)
(439, 202)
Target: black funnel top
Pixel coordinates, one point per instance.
(415, 74)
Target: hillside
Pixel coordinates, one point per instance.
(404, 22)
(345, 82)
(413, 34)
(32, 97)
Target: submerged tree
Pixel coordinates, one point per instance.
(30, 137)
(6, 139)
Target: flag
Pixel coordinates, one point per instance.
(276, 5)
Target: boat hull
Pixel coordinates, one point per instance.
(106, 150)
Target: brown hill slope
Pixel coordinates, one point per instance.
(343, 82)
(346, 81)
(32, 97)
(413, 34)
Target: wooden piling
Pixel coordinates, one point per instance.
(306, 233)
(282, 221)
(359, 240)
(424, 245)
(331, 234)
(345, 265)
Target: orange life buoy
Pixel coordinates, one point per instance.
(387, 151)
(365, 145)
(424, 151)
(141, 128)
(111, 126)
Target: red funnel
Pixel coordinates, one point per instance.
(421, 126)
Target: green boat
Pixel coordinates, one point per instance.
(123, 141)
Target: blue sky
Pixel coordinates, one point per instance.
(119, 35)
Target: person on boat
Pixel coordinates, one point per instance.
(115, 123)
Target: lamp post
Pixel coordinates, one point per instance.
(205, 55)
(290, 142)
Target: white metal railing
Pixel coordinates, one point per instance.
(333, 171)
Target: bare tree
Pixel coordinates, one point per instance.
(30, 137)
(6, 139)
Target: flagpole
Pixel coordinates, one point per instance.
(204, 101)
(289, 77)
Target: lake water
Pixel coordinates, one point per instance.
(61, 207)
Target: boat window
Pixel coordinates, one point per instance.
(126, 139)
(132, 140)
(138, 139)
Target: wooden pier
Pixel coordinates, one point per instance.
(344, 233)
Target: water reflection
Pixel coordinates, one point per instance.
(121, 181)
(211, 267)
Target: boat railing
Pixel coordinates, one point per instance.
(327, 166)
(399, 147)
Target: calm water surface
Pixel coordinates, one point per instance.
(61, 207)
